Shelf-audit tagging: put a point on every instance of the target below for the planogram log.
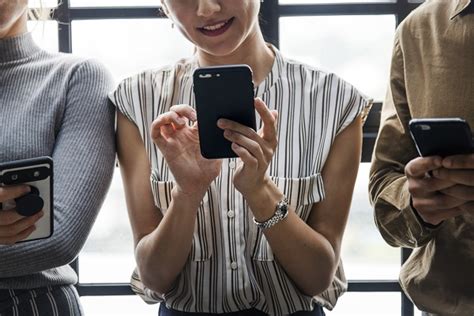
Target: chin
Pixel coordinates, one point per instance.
(221, 50)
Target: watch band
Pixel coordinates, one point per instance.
(281, 212)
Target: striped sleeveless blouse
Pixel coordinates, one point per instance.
(231, 265)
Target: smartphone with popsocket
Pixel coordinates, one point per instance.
(38, 174)
(441, 136)
(222, 92)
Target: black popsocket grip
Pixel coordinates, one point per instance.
(29, 204)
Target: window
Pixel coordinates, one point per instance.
(352, 38)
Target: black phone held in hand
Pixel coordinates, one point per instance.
(222, 92)
(38, 174)
(441, 136)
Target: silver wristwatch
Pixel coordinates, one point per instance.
(281, 212)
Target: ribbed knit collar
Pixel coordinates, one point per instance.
(17, 48)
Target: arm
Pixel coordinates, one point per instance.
(162, 242)
(83, 157)
(318, 242)
(388, 186)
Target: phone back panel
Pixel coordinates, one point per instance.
(10, 175)
(441, 137)
(222, 92)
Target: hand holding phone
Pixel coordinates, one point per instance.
(222, 92)
(26, 200)
(435, 138)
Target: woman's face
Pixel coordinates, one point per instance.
(218, 27)
(10, 13)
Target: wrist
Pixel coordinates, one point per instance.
(263, 200)
(189, 197)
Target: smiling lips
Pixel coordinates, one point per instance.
(217, 28)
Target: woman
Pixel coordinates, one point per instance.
(50, 105)
(197, 246)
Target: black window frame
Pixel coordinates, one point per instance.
(271, 12)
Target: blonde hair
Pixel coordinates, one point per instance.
(40, 13)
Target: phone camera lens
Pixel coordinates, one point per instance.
(36, 174)
(14, 177)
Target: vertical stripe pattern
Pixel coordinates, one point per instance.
(46, 301)
(231, 266)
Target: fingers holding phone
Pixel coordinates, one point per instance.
(426, 191)
(13, 226)
(255, 149)
(459, 169)
(26, 198)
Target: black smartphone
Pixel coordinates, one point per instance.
(441, 136)
(222, 92)
(38, 174)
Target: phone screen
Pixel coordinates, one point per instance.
(222, 92)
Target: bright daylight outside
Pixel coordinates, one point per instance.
(357, 48)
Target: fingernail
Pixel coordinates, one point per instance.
(193, 116)
(227, 133)
(180, 121)
(27, 189)
(220, 123)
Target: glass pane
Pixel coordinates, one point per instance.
(357, 48)
(45, 34)
(114, 3)
(368, 304)
(331, 1)
(127, 47)
(117, 306)
(364, 253)
(108, 253)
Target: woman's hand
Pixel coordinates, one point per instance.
(179, 144)
(13, 226)
(255, 149)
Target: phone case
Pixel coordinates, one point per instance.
(222, 92)
(441, 137)
(38, 173)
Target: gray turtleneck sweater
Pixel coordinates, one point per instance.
(55, 105)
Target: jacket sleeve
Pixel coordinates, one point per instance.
(388, 185)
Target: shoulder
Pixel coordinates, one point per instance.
(152, 77)
(329, 90)
(71, 65)
(320, 78)
(420, 22)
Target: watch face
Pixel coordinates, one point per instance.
(281, 211)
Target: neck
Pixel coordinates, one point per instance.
(253, 52)
(18, 27)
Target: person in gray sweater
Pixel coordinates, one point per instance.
(50, 105)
